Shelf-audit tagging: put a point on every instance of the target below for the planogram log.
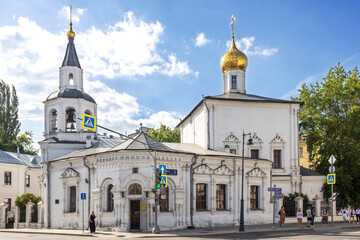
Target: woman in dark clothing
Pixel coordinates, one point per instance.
(92, 222)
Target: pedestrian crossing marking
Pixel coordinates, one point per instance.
(331, 178)
(89, 122)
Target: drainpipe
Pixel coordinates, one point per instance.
(192, 192)
(89, 181)
(48, 193)
(208, 123)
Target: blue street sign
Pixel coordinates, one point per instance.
(278, 195)
(162, 169)
(331, 179)
(83, 196)
(170, 171)
(270, 189)
(89, 122)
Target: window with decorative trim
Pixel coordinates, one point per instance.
(7, 178)
(277, 158)
(72, 198)
(201, 197)
(254, 153)
(220, 197)
(254, 197)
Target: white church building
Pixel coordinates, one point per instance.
(204, 178)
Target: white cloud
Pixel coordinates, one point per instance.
(246, 44)
(30, 57)
(75, 14)
(201, 40)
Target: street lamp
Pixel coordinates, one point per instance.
(250, 142)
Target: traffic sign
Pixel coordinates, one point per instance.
(332, 160)
(89, 122)
(162, 169)
(162, 191)
(143, 207)
(163, 197)
(332, 169)
(331, 178)
(163, 180)
(270, 189)
(83, 196)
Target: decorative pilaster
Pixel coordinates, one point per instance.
(299, 201)
(40, 223)
(3, 208)
(29, 207)
(317, 202)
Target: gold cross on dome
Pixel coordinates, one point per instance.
(232, 24)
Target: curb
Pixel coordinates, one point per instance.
(50, 233)
(228, 233)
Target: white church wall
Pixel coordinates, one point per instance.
(312, 185)
(194, 129)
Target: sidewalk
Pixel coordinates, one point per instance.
(249, 229)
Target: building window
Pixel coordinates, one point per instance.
(110, 198)
(232, 151)
(7, 178)
(53, 121)
(220, 197)
(135, 170)
(255, 153)
(201, 196)
(70, 120)
(135, 188)
(72, 207)
(233, 82)
(71, 79)
(301, 154)
(164, 203)
(254, 197)
(27, 181)
(277, 159)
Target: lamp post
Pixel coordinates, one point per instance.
(241, 227)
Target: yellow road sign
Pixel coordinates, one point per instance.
(89, 122)
(331, 178)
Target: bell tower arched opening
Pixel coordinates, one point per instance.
(70, 119)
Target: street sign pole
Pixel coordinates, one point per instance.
(332, 160)
(274, 207)
(83, 213)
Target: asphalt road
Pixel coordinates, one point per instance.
(320, 235)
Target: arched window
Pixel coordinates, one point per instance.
(88, 112)
(70, 120)
(110, 198)
(71, 79)
(135, 188)
(53, 120)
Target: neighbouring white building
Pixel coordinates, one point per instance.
(19, 174)
(204, 177)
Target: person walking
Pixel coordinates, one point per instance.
(344, 213)
(308, 216)
(299, 216)
(282, 216)
(357, 215)
(312, 216)
(352, 215)
(324, 219)
(92, 222)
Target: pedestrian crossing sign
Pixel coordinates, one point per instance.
(163, 180)
(89, 122)
(331, 178)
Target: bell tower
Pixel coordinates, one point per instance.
(63, 129)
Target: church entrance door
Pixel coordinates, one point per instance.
(135, 214)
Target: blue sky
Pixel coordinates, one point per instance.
(150, 61)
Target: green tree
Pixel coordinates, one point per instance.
(165, 134)
(330, 122)
(8, 113)
(22, 200)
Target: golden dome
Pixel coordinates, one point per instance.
(233, 59)
(70, 33)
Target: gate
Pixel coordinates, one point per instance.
(289, 207)
(34, 214)
(9, 221)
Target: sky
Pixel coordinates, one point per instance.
(150, 61)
